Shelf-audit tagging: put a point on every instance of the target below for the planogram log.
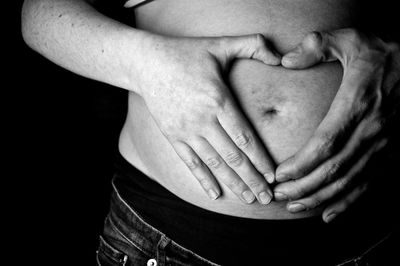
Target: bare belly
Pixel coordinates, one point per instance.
(285, 106)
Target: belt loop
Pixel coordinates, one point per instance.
(164, 241)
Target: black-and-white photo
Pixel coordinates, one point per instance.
(209, 132)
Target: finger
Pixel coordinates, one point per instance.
(253, 46)
(198, 169)
(324, 143)
(337, 187)
(239, 162)
(244, 137)
(316, 47)
(221, 170)
(345, 45)
(363, 137)
(338, 207)
(347, 109)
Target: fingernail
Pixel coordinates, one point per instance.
(330, 217)
(290, 55)
(285, 60)
(281, 177)
(294, 52)
(280, 196)
(212, 194)
(265, 198)
(289, 58)
(248, 196)
(270, 178)
(278, 58)
(296, 207)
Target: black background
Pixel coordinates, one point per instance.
(63, 133)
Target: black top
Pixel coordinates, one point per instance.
(231, 240)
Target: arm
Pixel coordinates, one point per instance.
(180, 79)
(77, 37)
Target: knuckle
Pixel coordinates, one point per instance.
(382, 144)
(218, 45)
(364, 187)
(342, 184)
(362, 104)
(259, 39)
(221, 41)
(315, 202)
(371, 59)
(259, 44)
(223, 45)
(243, 140)
(297, 192)
(325, 142)
(214, 162)
(204, 182)
(169, 132)
(234, 158)
(192, 162)
(379, 124)
(234, 184)
(331, 171)
(356, 108)
(314, 40)
(215, 99)
(263, 165)
(353, 35)
(296, 169)
(374, 128)
(182, 123)
(255, 184)
(215, 45)
(345, 203)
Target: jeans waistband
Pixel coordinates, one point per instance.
(141, 234)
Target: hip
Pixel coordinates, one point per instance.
(128, 239)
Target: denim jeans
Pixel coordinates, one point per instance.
(128, 240)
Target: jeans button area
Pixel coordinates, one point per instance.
(151, 262)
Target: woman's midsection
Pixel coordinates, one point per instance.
(284, 106)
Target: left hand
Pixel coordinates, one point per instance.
(355, 127)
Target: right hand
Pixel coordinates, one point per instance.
(182, 85)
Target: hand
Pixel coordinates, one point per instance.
(182, 84)
(355, 128)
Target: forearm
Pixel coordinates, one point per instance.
(72, 34)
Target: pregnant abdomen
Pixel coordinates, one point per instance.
(284, 106)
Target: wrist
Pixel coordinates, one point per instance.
(127, 50)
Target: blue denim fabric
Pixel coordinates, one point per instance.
(128, 240)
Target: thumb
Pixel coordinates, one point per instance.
(252, 47)
(316, 47)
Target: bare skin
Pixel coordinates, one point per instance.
(196, 113)
(74, 35)
(302, 187)
(284, 106)
(212, 137)
(357, 126)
